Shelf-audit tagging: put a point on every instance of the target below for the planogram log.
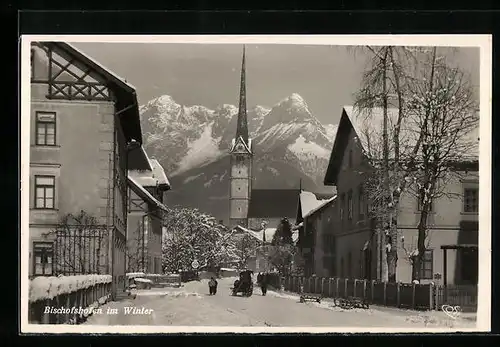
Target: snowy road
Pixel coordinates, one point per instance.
(192, 306)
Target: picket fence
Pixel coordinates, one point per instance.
(401, 295)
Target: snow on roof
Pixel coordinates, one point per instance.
(368, 125)
(159, 172)
(101, 66)
(150, 178)
(321, 204)
(310, 202)
(259, 235)
(145, 194)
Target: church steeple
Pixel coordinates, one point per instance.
(242, 125)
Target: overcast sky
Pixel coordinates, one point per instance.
(208, 74)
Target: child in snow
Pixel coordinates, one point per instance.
(212, 286)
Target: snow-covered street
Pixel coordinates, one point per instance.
(191, 305)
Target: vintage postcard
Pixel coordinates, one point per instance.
(256, 184)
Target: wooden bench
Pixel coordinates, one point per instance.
(310, 297)
(351, 302)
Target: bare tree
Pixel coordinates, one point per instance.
(432, 110)
(384, 86)
(444, 107)
(80, 244)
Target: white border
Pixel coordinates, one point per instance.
(483, 42)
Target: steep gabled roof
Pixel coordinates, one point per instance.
(273, 203)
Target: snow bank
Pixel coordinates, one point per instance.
(46, 288)
(135, 274)
(143, 280)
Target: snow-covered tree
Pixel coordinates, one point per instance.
(444, 107)
(245, 248)
(384, 85)
(283, 234)
(192, 235)
(282, 250)
(435, 113)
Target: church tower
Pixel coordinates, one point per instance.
(241, 162)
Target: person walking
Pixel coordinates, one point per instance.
(259, 278)
(212, 286)
(264, 283)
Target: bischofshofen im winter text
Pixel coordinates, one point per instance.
(92, 310)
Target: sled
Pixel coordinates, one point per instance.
(351, 302)
(310, 297)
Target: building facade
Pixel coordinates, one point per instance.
(315, 221)
(82, 119)
(453, 220)
(147, 185)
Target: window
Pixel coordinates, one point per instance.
(426, 272)
(471, 200)
(45, 129)
(341, 207)
(43, 254)
(361, 204)
(44, 191)
(349, 205)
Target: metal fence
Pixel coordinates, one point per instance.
(79, 252)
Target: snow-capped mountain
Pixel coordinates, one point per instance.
(192, 144)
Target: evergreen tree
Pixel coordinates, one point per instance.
(283, 234)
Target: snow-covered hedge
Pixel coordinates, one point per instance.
(135, 274)
(46, 288)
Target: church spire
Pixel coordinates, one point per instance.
(242, 126)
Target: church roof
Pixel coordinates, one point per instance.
(242, 123)
(273, 203)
